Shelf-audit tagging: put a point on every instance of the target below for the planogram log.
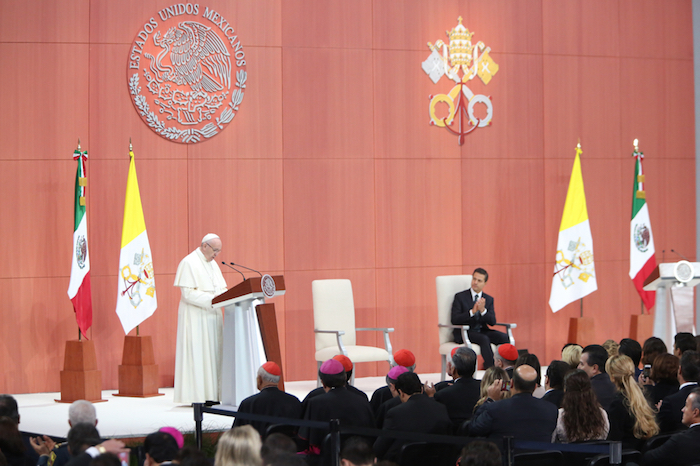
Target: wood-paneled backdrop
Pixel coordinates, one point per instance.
(331, 170)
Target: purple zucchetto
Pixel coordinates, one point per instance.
(396, 371)
(332, 367)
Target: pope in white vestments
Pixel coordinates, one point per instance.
(199, 326)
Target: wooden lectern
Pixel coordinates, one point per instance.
(250, 333)
(665, 277)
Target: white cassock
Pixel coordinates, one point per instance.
(199, 330)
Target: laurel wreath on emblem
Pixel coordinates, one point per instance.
(268, 286)
(193, 134)
(81, 251)
(642, 237)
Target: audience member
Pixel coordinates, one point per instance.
(106, 459)
(697, 342)
(571, 354)
(391, 377)
(160, 448)
(191, 456)
(348, 366)
(670, 415)
(521, 416)
(52, 454)
(417, 413)
(554, 382)
(651, 349)
(81, 443)
(82, 436)
(581, 417)
(593, 360)
(480, 453)
(277, 443)
(506, 356)
(612, 347)
(357, 452)
(663, 380)
(633, 349)
(461, 397)
(239, 446)
(403, 358)
(632, 420)
(11, 443)
(177, 435)
(534, 362)
(270, 401)
(682, 342)
(492, 374)
(336, 403)
(9, 408)
(682, 448)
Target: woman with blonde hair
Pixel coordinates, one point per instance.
(632, 420)
(239, 446)
(571, 355)
(492, 374)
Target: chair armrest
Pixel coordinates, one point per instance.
(464, 328)
(509, 331)
(338, 336)
(387, 341)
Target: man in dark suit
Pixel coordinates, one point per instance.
(670, 415)
(403, 358)
(473, 307)
(416, 413)
(460, 397)
(521, 416)
(681, 448)
(593, 359)
(348, 366)
(271, 401)
(336, 403)
(554, 382)
(395, 400)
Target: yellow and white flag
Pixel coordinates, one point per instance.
(136, 297)
(574, 271)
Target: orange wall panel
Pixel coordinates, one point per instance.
(329, 214)
(418, 226)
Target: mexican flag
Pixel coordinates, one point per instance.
(574, 271)
(642, 260)
(79, 286)
(136, 289)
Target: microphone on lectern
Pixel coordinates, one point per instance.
(247, 268)
(234, 269)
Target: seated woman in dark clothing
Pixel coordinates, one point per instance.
(580, 417)
(632, 420)
(663, 380)
(11, 444)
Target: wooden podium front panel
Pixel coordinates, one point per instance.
(268, 330)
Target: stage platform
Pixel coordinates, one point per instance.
(125, 417)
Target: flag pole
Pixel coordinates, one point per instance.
(80, 334)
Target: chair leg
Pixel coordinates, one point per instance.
(318, 377)
(443, 372)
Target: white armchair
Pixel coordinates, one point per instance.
(334, 325)
(446, 287)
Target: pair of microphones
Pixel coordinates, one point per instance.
(233, 266)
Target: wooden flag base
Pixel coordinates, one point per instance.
(641, 327)
(138, 374)
(80, 379)
(581, 331)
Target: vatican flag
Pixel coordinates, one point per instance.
(136, 296)
(574, 271)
